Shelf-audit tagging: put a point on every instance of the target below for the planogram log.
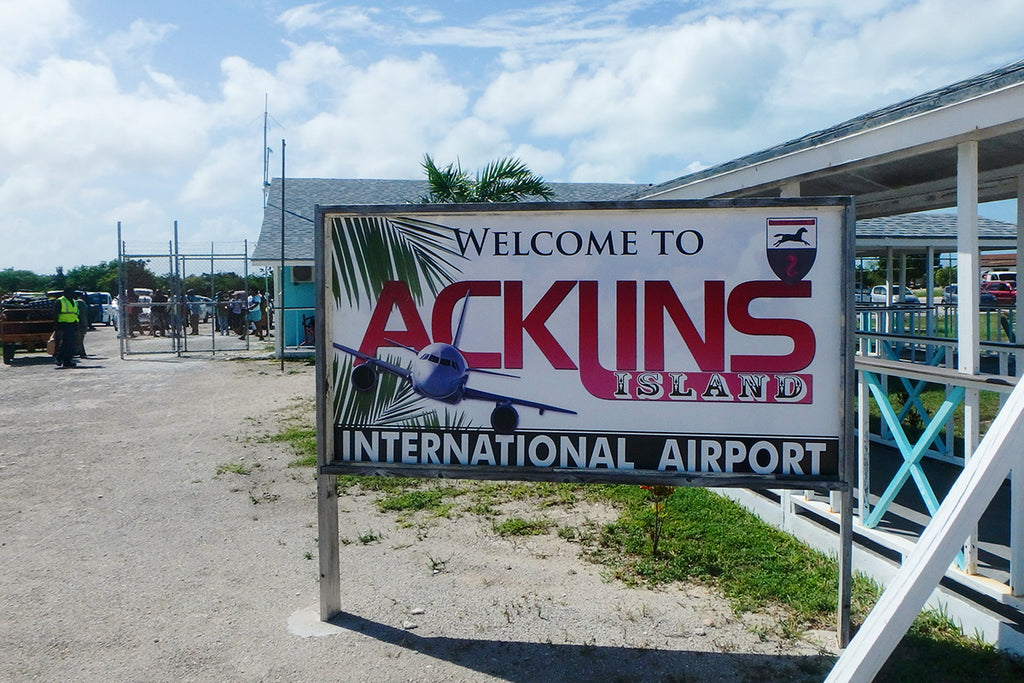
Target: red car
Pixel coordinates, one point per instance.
(1004, 292)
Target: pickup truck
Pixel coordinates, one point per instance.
(26, 322)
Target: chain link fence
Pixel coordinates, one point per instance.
(184, 298)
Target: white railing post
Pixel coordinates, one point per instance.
(968, 283)
(863, 448)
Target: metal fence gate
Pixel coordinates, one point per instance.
(183, 298)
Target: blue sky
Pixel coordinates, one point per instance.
(149, 112)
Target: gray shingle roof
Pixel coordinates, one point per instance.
(303, 194)
(956, 92)
(929, 226)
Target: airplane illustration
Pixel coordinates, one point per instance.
(440, 372)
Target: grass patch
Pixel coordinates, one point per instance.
(233, 468)
(713, 540)
(303, 443)
(517, 526)
(435, 500)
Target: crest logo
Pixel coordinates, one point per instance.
(791, 244)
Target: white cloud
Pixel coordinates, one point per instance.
(31, 29)
(380, 121)
(140, 37)
(303, 16)
(224, 176)
(351, 18)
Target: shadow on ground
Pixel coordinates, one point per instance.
(524, 662)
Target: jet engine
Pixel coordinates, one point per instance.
(364, 377)
(504, 418)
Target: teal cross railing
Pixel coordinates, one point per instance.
(912, 452)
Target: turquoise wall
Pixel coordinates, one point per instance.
(300, 296)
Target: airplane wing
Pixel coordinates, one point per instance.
(498, 398)
(377, 362)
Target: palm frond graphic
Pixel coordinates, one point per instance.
(393, 402)
(370, 251)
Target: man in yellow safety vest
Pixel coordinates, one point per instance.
(67, 329)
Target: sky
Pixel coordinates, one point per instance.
(153, 112)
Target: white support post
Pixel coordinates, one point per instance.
(929, 300)
(972, 406)
(863, 449)
(968, 282)
(1017, 527)
(967, 271)
(960, 510)
(1019, 357)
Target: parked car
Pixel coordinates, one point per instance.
(1004, 292)
(208, 309)
(1001, 276)
(145, 298)
(985, 299)
(99, 307)
(862, 295)
(878, 295)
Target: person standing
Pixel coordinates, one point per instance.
(222, 313)
(66, 329)
(194, 308)
(83, 323)
(254, 310)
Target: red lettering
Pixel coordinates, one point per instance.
(625, 324)
(709, 351)
(534, 324)
(598, 380)
(395, 295)
(797, 330)
(444, 308)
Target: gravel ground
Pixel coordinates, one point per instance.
(125, 556)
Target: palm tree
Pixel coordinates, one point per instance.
(505, 180)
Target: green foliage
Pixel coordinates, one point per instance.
(517, 526)
(302, 441)
(945, 276)
(233, 468)
(371, 251)
(98, 278)
(436, 500)
(23, 281)
(712, 539)
(505, 180)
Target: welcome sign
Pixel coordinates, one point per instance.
(677, 342)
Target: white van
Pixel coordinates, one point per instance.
(1001, 276)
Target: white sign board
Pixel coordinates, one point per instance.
(654, 341)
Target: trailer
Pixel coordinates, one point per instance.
(26, 323)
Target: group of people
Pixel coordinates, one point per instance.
(72, 322)
(241, 315)
(234, 313)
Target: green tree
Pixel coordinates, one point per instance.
(945, 276)
(98, 278)
(22, 281)
(506, 180)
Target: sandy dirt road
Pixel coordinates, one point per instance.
(125, 556)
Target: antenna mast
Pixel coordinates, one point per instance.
(266, 154)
